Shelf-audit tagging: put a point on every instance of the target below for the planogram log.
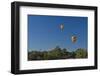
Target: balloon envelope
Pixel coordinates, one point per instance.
(74, 39)
(61, 26)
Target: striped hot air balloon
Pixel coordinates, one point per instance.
(74, 39)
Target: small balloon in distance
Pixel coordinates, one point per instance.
(61, 26)
(74, 39)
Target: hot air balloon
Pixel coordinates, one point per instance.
(74, 39)
(61, 26)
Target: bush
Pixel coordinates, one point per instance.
(57, 53)
(80, 53)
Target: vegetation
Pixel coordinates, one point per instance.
(57, 53)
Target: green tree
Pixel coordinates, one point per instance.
(32, 55)
(80, 53)
(45, 55)
(55, 53)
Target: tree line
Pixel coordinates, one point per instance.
(57, 53)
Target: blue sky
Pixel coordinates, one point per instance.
(44, 32)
